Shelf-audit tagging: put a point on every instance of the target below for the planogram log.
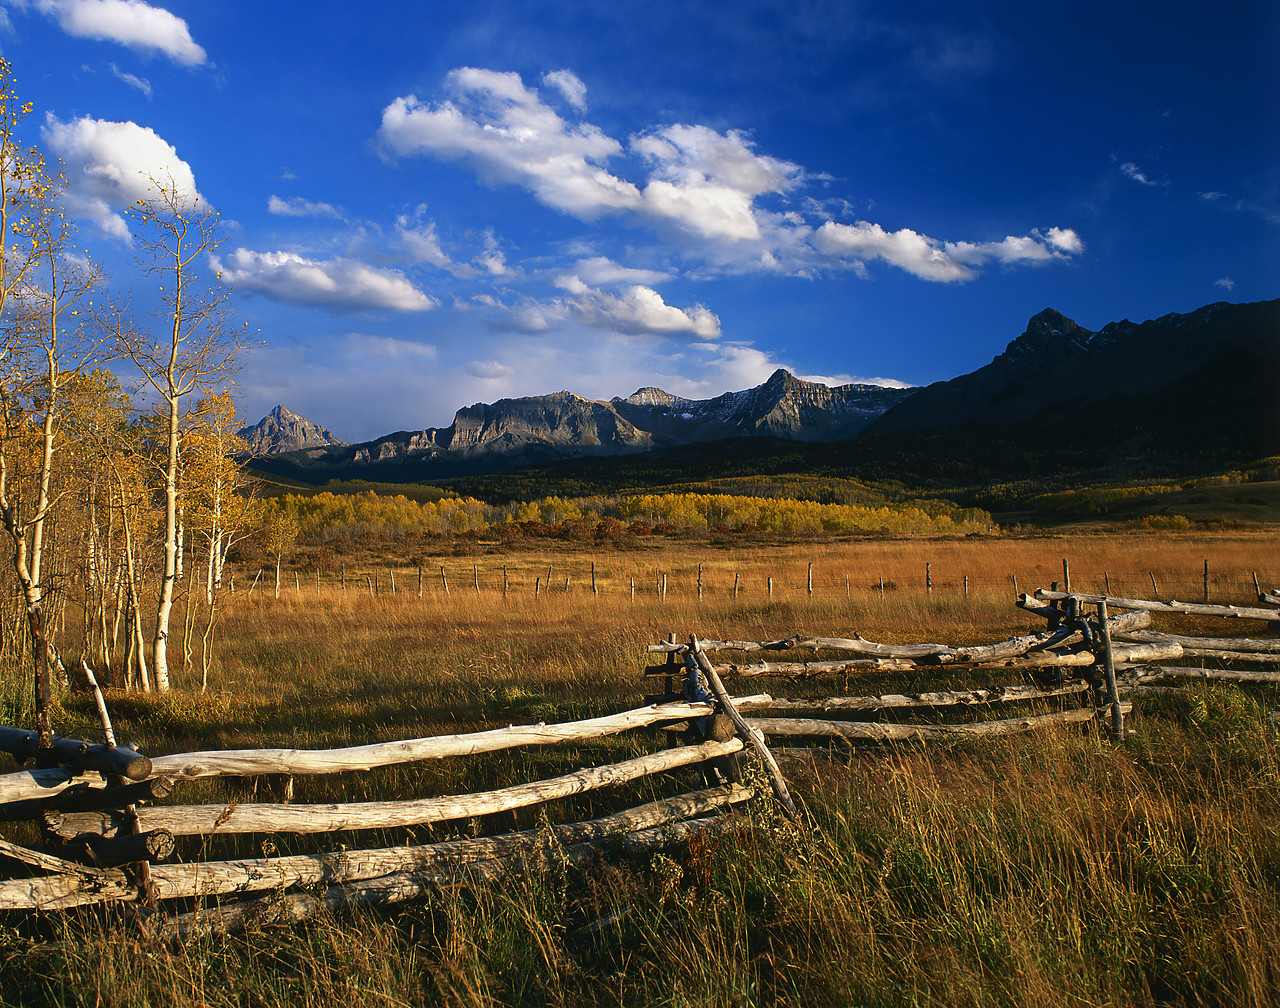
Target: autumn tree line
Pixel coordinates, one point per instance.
(119, 495)
(321, 518)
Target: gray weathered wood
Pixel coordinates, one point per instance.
(24, 785)
(776, 780)
(1150, 673)
(800, 669)
(1007, 694)
(220, 878)
(1192, 608)
(1107, 658)
(86, 799)
(1082, 657)
(295, 907)
(901, 732)
(248, 762)
(197, 820)
(1226, 644)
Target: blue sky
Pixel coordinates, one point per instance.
(429, 205)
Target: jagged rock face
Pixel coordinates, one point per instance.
(562, 419)
(283, 430)
(564, 425)
(784, 406)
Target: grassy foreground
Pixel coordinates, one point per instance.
(1059, 869)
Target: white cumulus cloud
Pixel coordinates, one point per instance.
(131, 23)
(640, 310)
(601, 271)
(299, 207)
(510, 136)
(111, 165)
(931, 259)
(335, 284)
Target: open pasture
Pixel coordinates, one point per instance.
(1054, 869)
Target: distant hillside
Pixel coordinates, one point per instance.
(1057, 364)
(1062, 406)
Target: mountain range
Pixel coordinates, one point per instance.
(1223, 358)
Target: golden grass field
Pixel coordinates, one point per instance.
(1055, 869)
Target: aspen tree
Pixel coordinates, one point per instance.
(176, 231)
(44, 347)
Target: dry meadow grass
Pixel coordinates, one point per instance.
(1059, 869)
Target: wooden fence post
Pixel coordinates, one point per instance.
(1066, 576)
(664, 587)
(699, 582)
(1109, 673)
(776, 779)
(594, 590)
(1206, 579)
(444, 580)
(537, 583)
(928, 578)
(735, 584)
(1106, 579)
(1154, 589)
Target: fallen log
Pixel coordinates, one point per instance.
(204, 820)
(250, 762)
(1191, 608)
(901, 732)
(174, 881)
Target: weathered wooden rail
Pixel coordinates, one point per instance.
(99, 832)
(110, 822)
(1083, 664)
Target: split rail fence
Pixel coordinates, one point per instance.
(109, 831)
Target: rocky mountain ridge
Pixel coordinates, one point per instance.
(1055, 367)
(485, 436)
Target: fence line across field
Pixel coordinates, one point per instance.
(812, 580)
(109, 825)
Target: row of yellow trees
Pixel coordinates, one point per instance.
(109, 501)
(325, 516)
